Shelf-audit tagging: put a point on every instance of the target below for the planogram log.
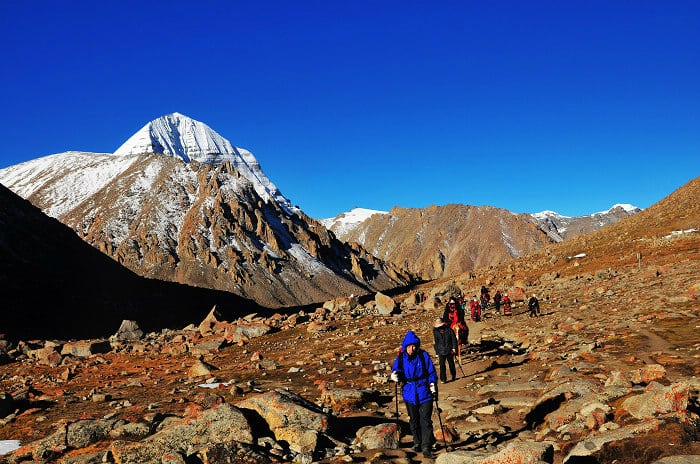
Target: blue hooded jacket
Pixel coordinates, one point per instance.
(416, 378)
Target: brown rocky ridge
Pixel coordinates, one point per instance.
(606, 374)
(442, 241)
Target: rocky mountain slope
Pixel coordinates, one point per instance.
(441, 241)
(55, 285)
(607, 373)
(178, 202)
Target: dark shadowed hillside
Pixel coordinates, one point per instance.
(54, 285)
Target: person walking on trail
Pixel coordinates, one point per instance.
(485, 298)
(414, 369)
(454, 313)
(475, 309)
(445, 348)
(534, 306)
(507, 305)
(497, 301)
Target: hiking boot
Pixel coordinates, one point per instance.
(428, 454)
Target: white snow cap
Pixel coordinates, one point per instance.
(182, 137)
(345, 222)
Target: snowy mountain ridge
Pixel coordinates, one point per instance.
(345, 222)
(182, 137)
(624, 206)
(439, 241)
(553, 223)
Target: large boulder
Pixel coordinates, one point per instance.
(212, 323)
(85, 348)
(379, 436)
(222, 424)
(347, 399)
(290, 417)
(385, 305)
(525, 452)
(342, 304)
(47, 356)
(658, 399)
(128, 331)
(587, 448)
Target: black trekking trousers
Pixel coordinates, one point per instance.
(421, 422)
(450, 358)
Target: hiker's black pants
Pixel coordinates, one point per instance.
(450, 362)
(421, 422)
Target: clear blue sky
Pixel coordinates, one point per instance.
(570, 106)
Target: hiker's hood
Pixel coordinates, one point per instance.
(410, 339)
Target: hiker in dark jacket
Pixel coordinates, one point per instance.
(497, 301)
(415, 370)
(445, 348)
(534, 306)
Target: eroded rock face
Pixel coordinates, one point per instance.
(202, 224)
(442, 241)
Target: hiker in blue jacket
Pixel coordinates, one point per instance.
(415, 370)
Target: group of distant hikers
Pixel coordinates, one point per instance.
(414, 370)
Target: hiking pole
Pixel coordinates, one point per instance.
(396, 398)
(442, 429)
(460, 365)
(396, 414)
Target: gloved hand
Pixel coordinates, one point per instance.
(394, 376)
(433, 390)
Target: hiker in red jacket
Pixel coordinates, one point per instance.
(507, 309)
(453, 314)
(475, 309)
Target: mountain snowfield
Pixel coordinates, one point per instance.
(346, 222)
(179, 202)
(172, 135)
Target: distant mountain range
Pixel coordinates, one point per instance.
(441, 241)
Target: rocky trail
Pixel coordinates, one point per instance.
(607, 374)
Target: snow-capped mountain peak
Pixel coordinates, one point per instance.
(345, 222)
(547, 214)
(179, 136)
(182, 137)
